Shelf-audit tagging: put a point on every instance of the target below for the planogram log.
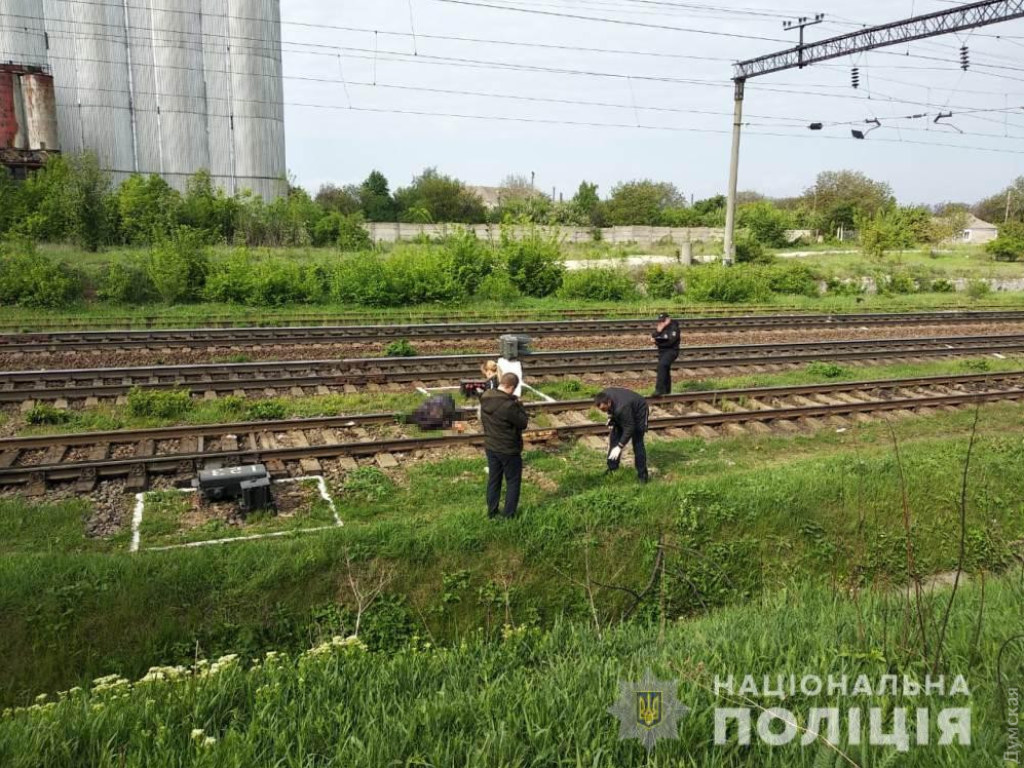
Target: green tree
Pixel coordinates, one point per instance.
(519, 200)
(344, 200)
(147, 208)
(1006, 205)
(375, 198)
(443, 198)
(642, 202)
(207, 209)
(949, 224)
(587, 206)
(1009, 246)
(841, 198)
(91, 202)
(883, 232)
(766, 223)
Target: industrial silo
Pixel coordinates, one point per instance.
(104, 98)
(180, 87)
(216, 36)
(155, 86)
(22, 33)
(258, 95)
(62, 34)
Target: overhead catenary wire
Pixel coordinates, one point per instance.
(518, 66)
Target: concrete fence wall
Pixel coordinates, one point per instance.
(393, 233)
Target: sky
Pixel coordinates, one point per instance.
(482, 89)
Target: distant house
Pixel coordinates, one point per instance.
(978, 232)
(494, 197)
(491, 196)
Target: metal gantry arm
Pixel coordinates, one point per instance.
(958, 19)
(961, 18)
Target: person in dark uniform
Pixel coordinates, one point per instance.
(627, 416)
(667, 337)
(504, 419)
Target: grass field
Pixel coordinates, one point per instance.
(746, 517)
(959, 262)
(542, 698)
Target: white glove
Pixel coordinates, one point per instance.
(610, 423)
(615, 453)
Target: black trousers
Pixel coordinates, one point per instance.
(665, 359)
(639, 451)
(511, 468)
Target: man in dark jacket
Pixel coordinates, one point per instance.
(504, 419)
(666, 337)
(628, 414)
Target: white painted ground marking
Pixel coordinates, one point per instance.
(540, 394)
(140, 503)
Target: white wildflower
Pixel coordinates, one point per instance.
(209, 741)
(197, 733)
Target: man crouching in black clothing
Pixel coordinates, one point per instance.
(628, 414)
(666, 335)
(504, 419)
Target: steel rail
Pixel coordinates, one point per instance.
(18, 386)
(338, 334)
(187, 462)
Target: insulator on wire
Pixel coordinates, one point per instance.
(855, 77)
(965, 58)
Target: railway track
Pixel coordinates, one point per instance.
(349, 317)
(193, 338)
(299, 446)
(305, 377)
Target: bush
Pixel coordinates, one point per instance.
(352, 235)
(47, 414)
(978, 289)
(419, 275)
(598, 285)
(942, 286)
(498, 287)
(837, 287)
(400, 348)
(750, 251)
(766, 223)
(793, 279)
(660, 283)
(265, 410)
(32, 280)
(470, 261)
(1009, 246)
(159, 403)
(534, 262)
(900, 283)
(179, 265)
(726, 284)
(126, 282)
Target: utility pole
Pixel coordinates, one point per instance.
(958, 19)
(729, 256)
(1009, 194)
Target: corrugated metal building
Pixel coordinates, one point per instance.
(162, 86)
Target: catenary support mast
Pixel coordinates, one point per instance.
(959, 19)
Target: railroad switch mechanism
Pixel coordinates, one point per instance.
(250, 485)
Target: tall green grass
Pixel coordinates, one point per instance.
(536, 698)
